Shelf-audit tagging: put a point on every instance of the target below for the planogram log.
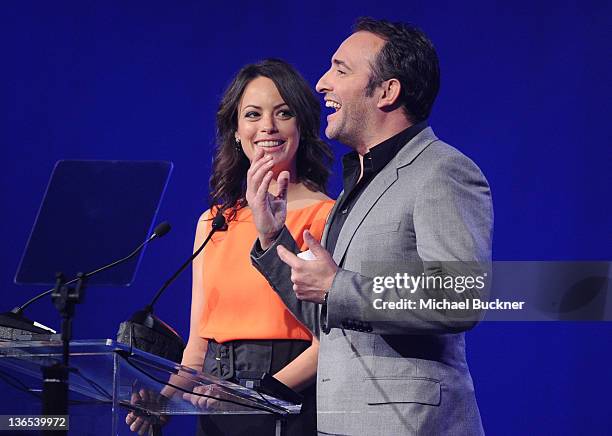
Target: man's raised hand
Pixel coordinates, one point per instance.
(311, 278)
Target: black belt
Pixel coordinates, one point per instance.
(225, 353)
(224, 359)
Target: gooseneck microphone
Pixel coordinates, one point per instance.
(146, 331)
(217, 224)
(15, 319)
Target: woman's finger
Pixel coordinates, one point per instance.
(262, 192)
(259, 171)
(283, 185)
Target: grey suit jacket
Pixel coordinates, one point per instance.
(397, 372)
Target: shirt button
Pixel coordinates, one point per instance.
(344, 212)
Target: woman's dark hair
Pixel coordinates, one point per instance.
(408, 56)
(230, 165)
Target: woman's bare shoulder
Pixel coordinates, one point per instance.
(205, 215)
(304, 197)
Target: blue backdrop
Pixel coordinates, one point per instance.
(525, 93)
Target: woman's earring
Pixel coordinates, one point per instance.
(237, 145)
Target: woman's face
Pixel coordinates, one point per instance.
(266, 122)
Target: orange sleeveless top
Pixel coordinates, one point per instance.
(238, 301)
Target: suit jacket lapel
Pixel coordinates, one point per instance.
(366, 201)
(376, 189)
(329, 219)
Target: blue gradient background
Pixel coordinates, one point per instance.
(525, 93)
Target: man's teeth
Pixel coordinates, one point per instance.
(269, 143)
(333, 104)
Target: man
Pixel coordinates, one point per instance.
(408, 198)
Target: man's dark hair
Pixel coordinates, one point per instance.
(408, 56)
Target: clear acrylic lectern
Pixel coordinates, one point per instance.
(111, 373)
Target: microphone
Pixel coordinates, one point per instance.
(218, 223)
(146, 331)
(161, 230)
(15, 326)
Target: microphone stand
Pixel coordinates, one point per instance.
(147, 332)
(55, 377)
(65, 298)
(15, 326)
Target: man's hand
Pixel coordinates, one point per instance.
(269, 211)
(311, 278)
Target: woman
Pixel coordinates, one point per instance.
(267, 114)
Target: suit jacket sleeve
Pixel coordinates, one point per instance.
(278, 274)
(452, 219)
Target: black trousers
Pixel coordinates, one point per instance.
(223, 360)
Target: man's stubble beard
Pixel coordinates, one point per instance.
(349, 130)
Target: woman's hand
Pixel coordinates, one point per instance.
(269, 211)
(211, 397)
(141, 423)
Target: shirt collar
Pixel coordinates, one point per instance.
(378, 156)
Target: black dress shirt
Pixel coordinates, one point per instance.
(373, 162)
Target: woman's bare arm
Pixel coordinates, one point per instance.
(301, 371)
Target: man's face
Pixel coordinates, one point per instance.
(344, 86)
